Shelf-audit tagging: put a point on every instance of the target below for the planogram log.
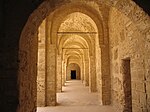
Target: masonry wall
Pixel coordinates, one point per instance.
(147, 69)
(15, 15)
(127, 42)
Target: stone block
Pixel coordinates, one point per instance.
(148, 86)
(136, 108)
(143, 100)
(138, 75)
(140, 86)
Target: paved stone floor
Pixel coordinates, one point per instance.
(76, 98)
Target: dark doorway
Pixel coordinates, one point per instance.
(127, 85)
(73, 74)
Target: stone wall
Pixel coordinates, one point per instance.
(73, 66)
(18, 63)
(147, 69)
(127, 42)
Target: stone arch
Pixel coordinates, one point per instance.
(85, 38)
(75, 63)
(77, 7)
(28, 44)
(76, 67)
(76, 51)
(63, 41)
(75, 55)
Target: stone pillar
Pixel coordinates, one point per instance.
(106, 79)
(82, 72)
(41, 67)
(51, 75)
(63, 73)
(68, 73)
(41, 78)
(59, 73)
(86, 74)
(92, 78)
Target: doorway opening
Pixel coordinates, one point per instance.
(127, 85)
(73, 74)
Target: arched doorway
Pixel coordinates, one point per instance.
(73, 72)
(75, 46)
(28, 54)
(28, 47)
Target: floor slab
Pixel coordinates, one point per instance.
(76, 98)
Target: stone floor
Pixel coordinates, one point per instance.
(76, 98)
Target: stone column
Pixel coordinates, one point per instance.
(68, 73)
(63, 73)
(51, 75)
(86, 74)
(41, 77)
(82, 72)
(92, 78)
(106, 79)
(41, 67)
(59, 73)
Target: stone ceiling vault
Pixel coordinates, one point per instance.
(72, 36)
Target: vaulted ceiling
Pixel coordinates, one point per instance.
(75, 35)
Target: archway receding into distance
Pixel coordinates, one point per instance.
(28, 47)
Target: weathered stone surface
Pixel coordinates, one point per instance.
(59, 73)
(92, 76)
(131, 46)
(128, 32)
(86, 76)
(51, 75)
(41, 73)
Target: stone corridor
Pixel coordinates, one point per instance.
(76, 98)
(103, 44)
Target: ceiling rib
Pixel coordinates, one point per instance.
(77, 33)
(75, 48)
